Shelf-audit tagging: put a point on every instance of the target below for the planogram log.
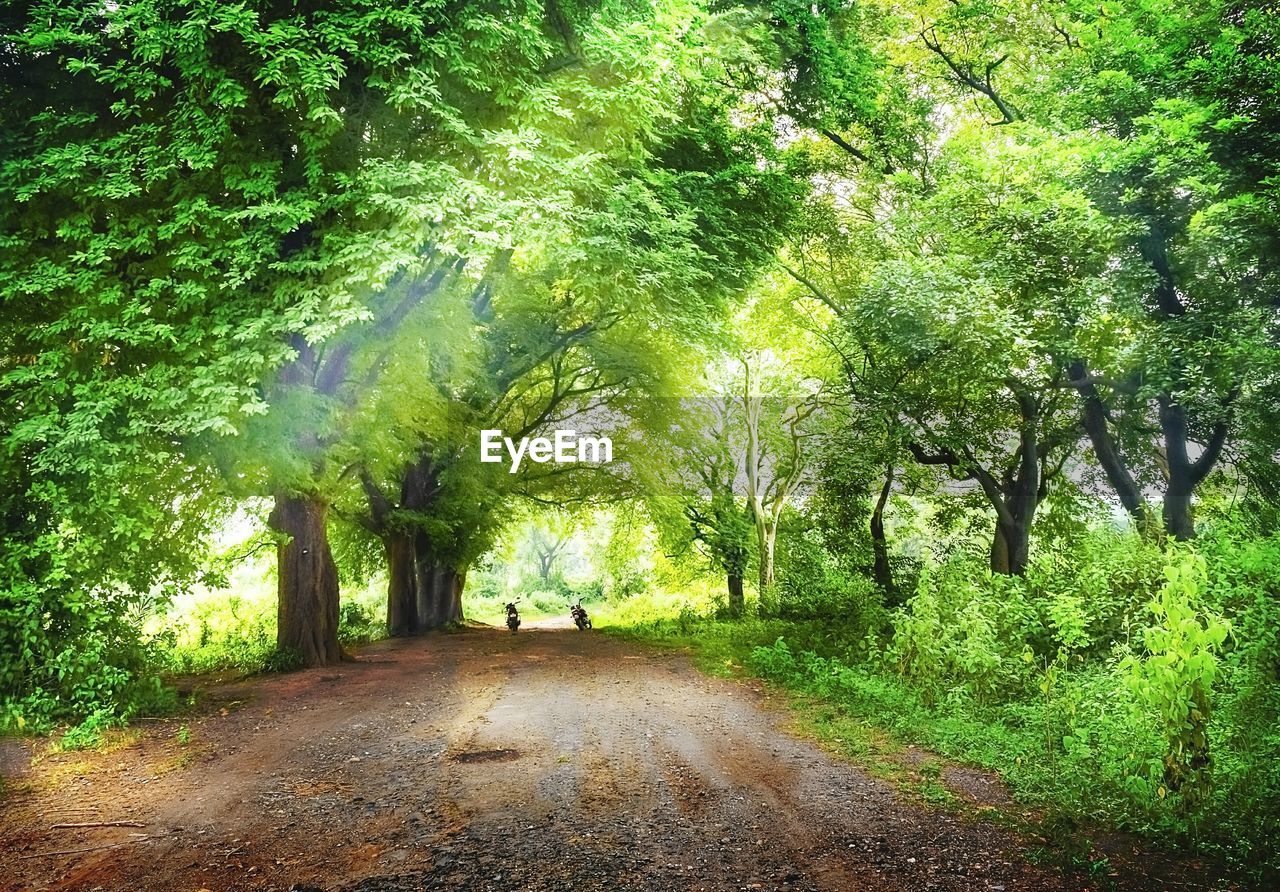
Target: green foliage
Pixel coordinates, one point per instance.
(1090, 590)
(811, 584)
(89, 732)
(1103, 686)
(360, 622)
(233, 627)
(964, 627)
(922, 253)
(203, 634)
(281, 659)
(1175, 678)
(183, 186)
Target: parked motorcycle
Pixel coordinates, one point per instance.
(580, 618)
(513, 617)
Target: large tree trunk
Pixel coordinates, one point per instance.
(402, 585)
(881, 570)
(1011, 547)
(428, 591)
(439, 593)
(1178, 520)
(458, 580)
(308, 581)
(1000, 551)
(737, 600)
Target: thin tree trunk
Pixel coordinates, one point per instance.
(458, 580)
(1104, 447)
(1016, 498)
(441, 594)
(1020, 547)
(307, 620)
(768, 538)
(881, 570)
(1184, 474)
(427, 590)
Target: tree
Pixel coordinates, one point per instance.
(719, 519)
(193, 191)
(859, 464)
(1179, 135)
(960, 311)
(504, 184)
(548, 539)
(581, 321)
(776, 455)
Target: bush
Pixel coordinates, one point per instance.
(1175, 679)
(964, 630)
(811, 584)
(1241, 814)
(359, 623)
(68, 655)
(89, 732)
(210, 630)
(547, 600)
(1089, 592)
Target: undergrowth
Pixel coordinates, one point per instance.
(1136, 690)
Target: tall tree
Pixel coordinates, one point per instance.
(189, 192)
(961, 307)
(718, 516)
(585, 314)
(513, 163)
(776, 434)
(1174, 106)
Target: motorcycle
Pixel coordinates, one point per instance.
(513, 617)
(580, 618)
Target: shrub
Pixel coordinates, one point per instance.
(1088, 592)
(90, 731)
(358, 623)
(965, 630)
(811, 584)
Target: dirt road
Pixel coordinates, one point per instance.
(547, 760)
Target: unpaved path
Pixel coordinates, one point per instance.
(547, 760)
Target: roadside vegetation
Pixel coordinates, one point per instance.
(1091, 709)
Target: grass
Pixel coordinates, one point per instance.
(213, 629)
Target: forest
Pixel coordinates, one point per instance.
(936, 344)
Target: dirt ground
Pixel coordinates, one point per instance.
(546, 760)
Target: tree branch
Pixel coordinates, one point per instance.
(966, 75)
(817, 292)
